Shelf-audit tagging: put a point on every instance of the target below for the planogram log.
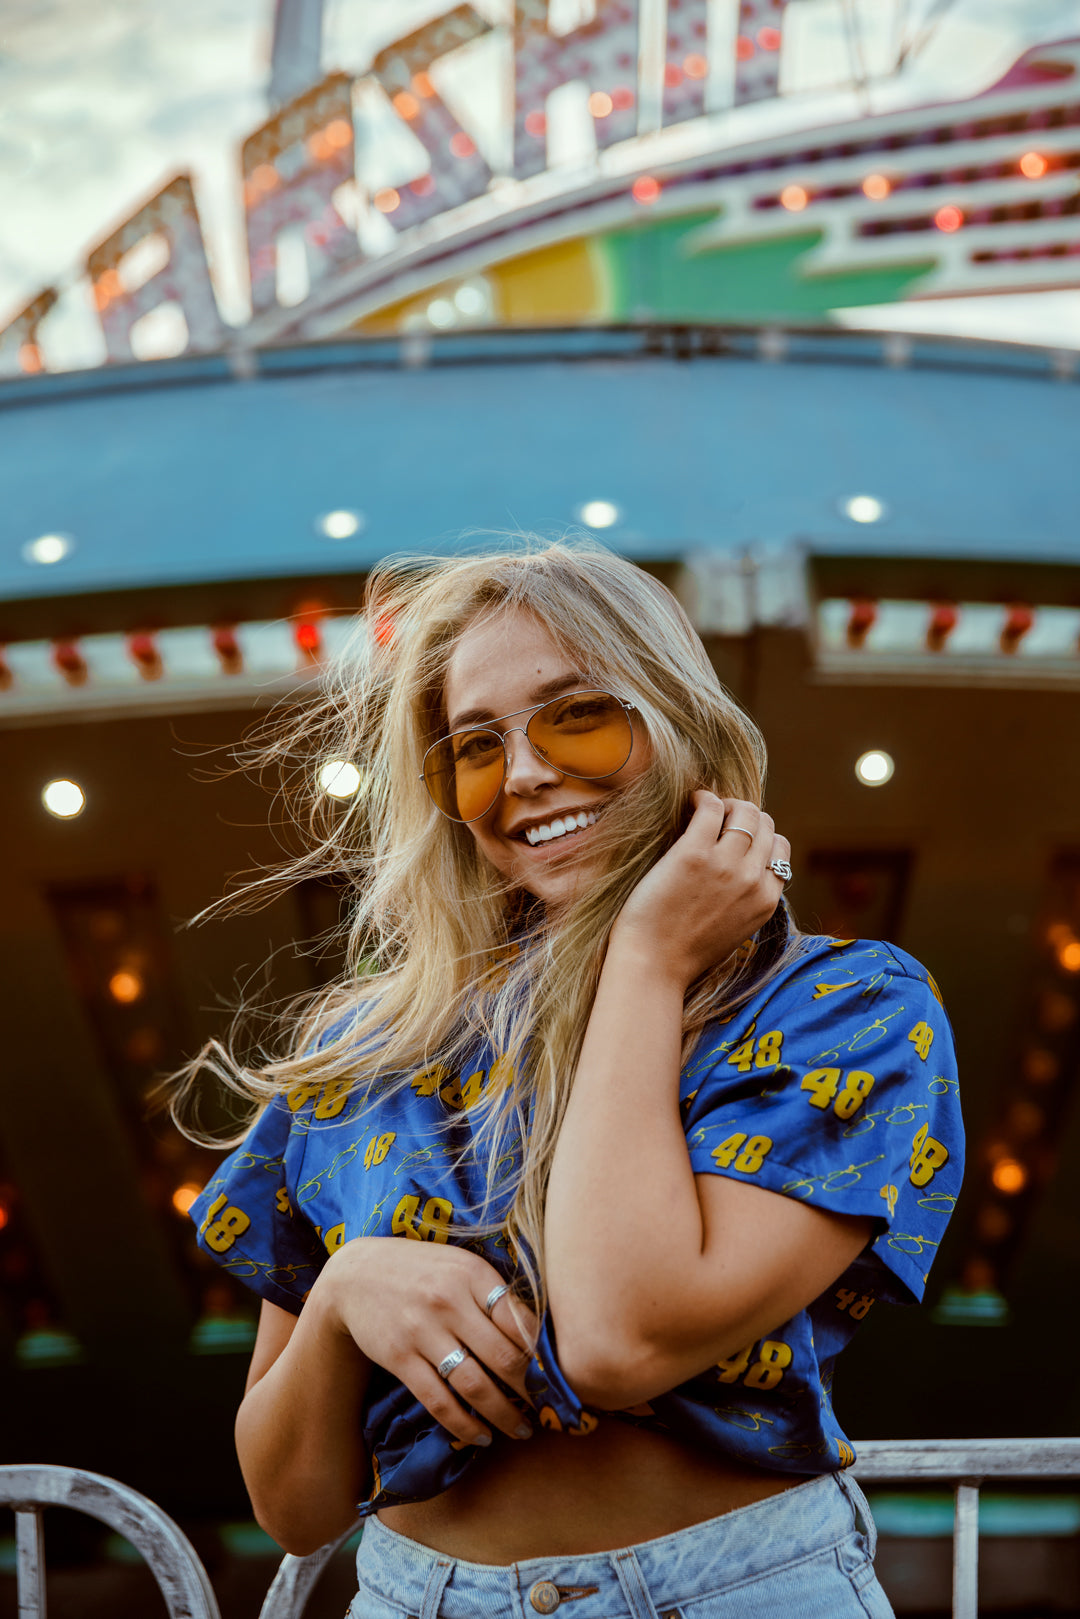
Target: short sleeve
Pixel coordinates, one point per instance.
(247, 1219)
(839, 1087)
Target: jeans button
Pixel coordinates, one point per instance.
(544, 1596)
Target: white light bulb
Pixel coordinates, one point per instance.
(440, 312)
(864, 509)
(63, 798)
(599, 513)
(470, 300)
(48, 548)
(874, 768)
(340, 525)
(339, 778)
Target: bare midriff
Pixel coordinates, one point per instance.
(557, 1494)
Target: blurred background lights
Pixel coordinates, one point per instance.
(599, 513)
(1034, 165)
(63, 798)
(440, 312)
(469, 300)
(48, 548)
(874, 768)
(864, 509)
(876, 187)
(794, 198)
(184, 1197)
(1009, 1176)
(125, 986)
(949, 218)
(340, 525)
(339, 777)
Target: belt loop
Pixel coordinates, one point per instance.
(864, 1518)
(629, 1575)
(441, 1571)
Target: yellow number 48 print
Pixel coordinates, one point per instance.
(824, 1083)
(747, 1155)
(767, 1054)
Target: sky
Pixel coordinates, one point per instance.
(102, 102)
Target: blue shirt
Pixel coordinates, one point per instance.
(835, 1084)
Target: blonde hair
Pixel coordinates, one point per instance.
(440, 952)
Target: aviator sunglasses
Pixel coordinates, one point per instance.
(584, 734)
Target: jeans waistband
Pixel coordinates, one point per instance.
(705, 1557)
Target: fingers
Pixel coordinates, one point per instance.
(468, 1384)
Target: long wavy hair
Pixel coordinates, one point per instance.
(440, 952)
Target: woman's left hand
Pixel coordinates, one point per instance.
(709, 893)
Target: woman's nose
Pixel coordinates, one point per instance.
(525, 769)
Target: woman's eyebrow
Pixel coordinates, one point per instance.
(550, 688)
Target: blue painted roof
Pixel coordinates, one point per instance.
(180, 471)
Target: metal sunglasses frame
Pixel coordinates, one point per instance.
(583, 691)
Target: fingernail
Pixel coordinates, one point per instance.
(524, 1432)
(482, 1439)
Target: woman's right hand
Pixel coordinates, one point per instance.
(406, 1305)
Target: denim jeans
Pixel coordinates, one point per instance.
(804, 1554)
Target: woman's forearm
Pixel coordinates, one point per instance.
(623, 1226)
(298, 1431)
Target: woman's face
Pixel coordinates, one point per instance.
(502, 665)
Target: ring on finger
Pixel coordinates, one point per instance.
(452, 1361)
(782, 868)
(744, 829)
(493, 1298)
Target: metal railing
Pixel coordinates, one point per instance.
(965, 1463)
(968, 1464)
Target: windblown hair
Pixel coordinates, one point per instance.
(440, 952)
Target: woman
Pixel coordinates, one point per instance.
(565, 1199)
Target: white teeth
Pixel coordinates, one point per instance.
(559, 827)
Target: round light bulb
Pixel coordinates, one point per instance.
(440, 312)
(340, 525)
(63, 798)
(864, 509)
(874, 768)
(339, 778)
(48, 548)
(599, 513)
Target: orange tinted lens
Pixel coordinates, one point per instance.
(464, 773)
(586, 734)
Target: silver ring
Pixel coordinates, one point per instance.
(451, 1361)
(782, 869)
(493, 1298)
(749, 834)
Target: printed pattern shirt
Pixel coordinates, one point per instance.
(835, 1084)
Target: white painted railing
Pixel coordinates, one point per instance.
(965, 1463)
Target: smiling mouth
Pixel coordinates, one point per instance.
(560, 826)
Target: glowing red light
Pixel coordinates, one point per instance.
(70, 662)
(1034, 165)
(744, 48)
(422, 186)
(621, 98)
(860, 622)
(645, 189)
(943, 620)
(228, 650)
(142, 649)
(949, 218)
(673, 75)
(535, 124)
(461, 145)
(384, 629)
(1017, 624)
(769, 39)
(307, 637)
